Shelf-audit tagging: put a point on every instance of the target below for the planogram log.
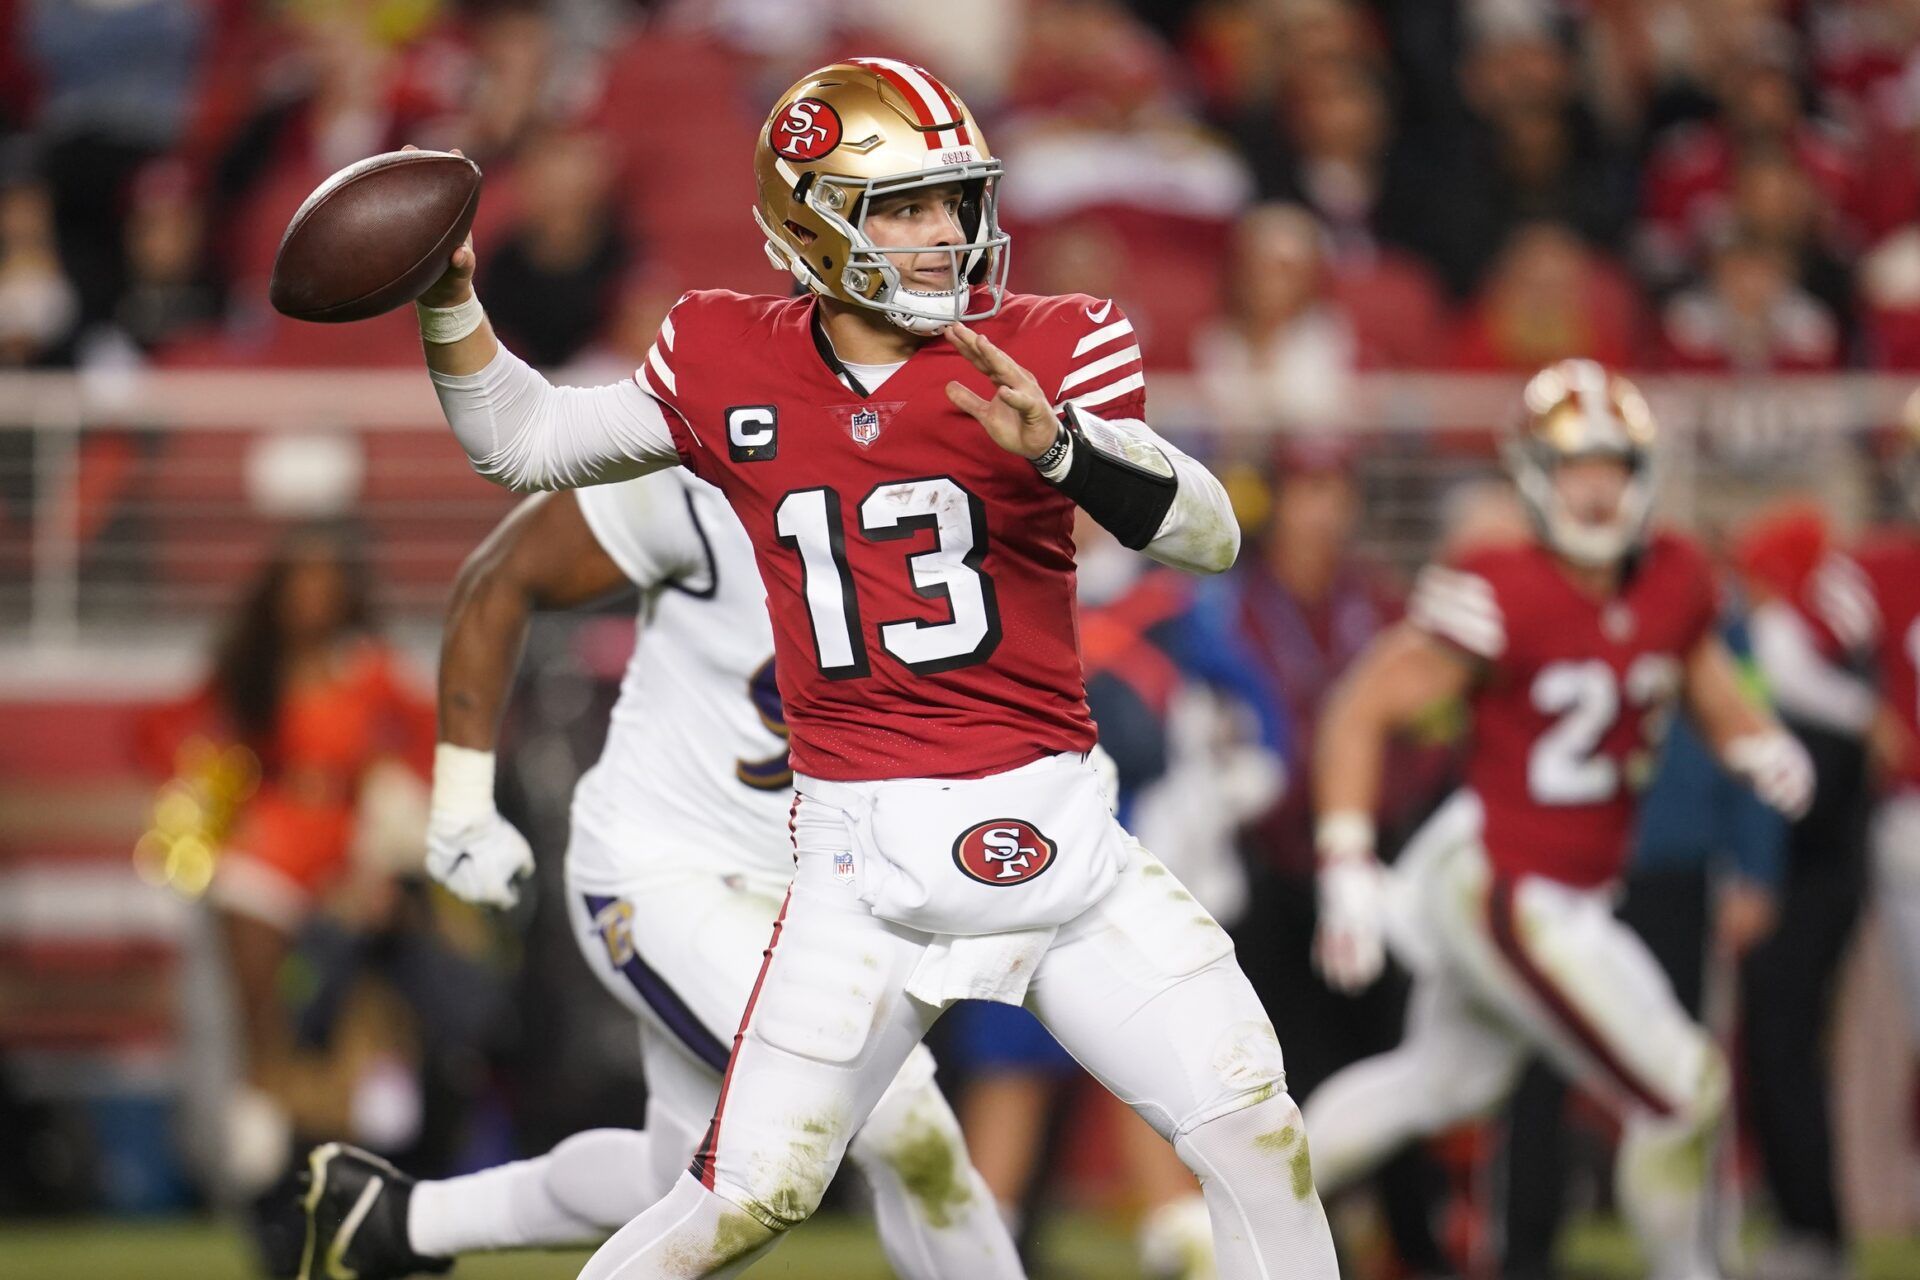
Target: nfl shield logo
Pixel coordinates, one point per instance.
(865, 426)
(843, 865)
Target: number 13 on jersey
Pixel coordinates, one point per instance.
(811, 524)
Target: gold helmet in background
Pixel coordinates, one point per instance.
(1578, 409)
(865, 128)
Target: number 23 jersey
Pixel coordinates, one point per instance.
(1575, 697)
(919, 577)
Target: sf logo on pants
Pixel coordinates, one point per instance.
(1003, 851)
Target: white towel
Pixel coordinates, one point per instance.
(986, 966)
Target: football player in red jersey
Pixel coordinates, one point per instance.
(1869, 602)
(1571, 650)
(906, 443)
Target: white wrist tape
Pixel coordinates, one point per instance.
(462, 783)
(443, 325)
(1344, 835)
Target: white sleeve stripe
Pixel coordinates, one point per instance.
(1101, 337)
(1460, 607)
(1105, 364)
(1468, 586)
(1112, 391)
(666, 331)
(644, 376)
(660, 367)
(1480, 636)
(1844, 597)
(1444, 603)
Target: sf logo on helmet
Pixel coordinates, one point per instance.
(806, 130)
(1003, 851)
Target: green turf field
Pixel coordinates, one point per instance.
(833, 1248)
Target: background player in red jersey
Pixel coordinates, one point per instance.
(910, 501)
(1571, 651)
(1869, 601)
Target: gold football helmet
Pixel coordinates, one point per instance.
(869, 127)
(1577, 409)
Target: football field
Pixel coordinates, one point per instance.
(833, 1248)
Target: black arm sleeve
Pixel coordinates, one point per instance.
(1126, 485)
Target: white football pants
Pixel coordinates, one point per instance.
(1509, 968)
(1142, 989)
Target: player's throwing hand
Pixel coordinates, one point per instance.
(455, 284)
(1018, 417)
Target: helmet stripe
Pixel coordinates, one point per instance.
(927, 96)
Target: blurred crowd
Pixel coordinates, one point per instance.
(1281, 192)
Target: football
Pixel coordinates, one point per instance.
(374, 236)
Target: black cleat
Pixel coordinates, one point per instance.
(356, 1207)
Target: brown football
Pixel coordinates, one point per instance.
(374, 235)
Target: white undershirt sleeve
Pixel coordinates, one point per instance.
(1804, 683)
(521, 431)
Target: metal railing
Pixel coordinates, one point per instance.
(135, 503)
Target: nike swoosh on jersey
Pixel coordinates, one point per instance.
(1100, 316)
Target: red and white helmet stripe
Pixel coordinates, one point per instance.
(931, 100)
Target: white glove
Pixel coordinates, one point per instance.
(1349, 947)
(1778, 769)
(471, 849)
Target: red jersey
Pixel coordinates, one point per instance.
(1575, 698)
(1870, 602)
(919, 577)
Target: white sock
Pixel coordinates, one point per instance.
(579, 1193)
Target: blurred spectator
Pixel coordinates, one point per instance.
(1532, 153)
(168, 286)
(1245, 51)
(1775, 204)
(551, 283)
(1548, 298)
(317, 701)
(1749, 316)
(115, 79)
(1093, 120)
(1327, 143)
(1690, 177)
(1890, 301)
(1788, 982)
(38, 306)
(1284, 354)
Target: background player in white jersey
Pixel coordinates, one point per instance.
(906, 444)
(678, 858)
(1571, 651)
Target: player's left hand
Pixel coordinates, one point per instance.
(481, 859)
(1778, 769)
(1018, 417)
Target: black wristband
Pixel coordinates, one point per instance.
(1127, 486)
(1057, 450)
